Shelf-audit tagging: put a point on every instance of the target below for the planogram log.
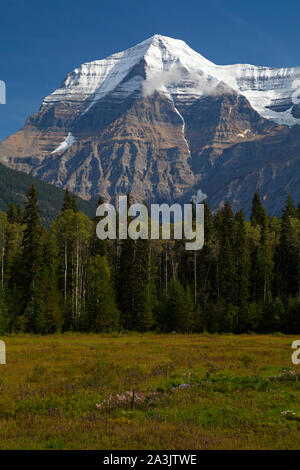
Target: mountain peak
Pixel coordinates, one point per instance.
(158, 119)
(177, 48)
(172, 67)
(159, 38)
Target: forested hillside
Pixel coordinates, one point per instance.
(14, 186)
(246, 277)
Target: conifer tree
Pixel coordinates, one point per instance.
(286, 259)
(125, 283)
(289, 209)
(74, 203)
(241, 253)
(258, 213)
(12, 215)
(67, 201)
(147, 319)
(31, 258)
(226, 268)
(143, 285)
(208, 222)
(19, 214)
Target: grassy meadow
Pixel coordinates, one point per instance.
(191, 392)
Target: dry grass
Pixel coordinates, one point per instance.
(236, 395)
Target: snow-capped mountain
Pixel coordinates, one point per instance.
(159, 120)
(173, 68)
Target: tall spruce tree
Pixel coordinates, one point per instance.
(289, 209)
(32, 242)
(241, 254)
(67, 201)
(31, 258)
(12, 215)
(286, 260)
(74, 203)
(227, 265)
(258, 212)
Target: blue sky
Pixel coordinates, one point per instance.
(43, 40)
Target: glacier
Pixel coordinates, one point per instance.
(65, 145)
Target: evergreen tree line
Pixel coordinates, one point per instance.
(246, 278)
(14, 187)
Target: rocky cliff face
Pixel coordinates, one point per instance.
(159, 121)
